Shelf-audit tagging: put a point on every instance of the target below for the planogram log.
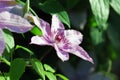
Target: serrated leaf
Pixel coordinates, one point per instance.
(62, 77)
(115, 5)
(54, 7)
(17, 68)
(100, 9)
(49, 68)
(37, 65)
(24, 48)
(50, 76)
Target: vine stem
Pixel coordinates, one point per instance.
(5, 61)
(109, 66)
(46, 53)
(34, 13)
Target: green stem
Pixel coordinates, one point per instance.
(5, 61)
(109, 66)
(34, 13)
(46, 53)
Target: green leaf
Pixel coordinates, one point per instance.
(64, 18)
(9, 40)
(24, 48)
(17, 69)
(62, 77)
(49, 68)
(5, 60)
(5, 76)
(100, 9)
(71, 3)
(115, 5)
(2, 78)
(112, 53)
(113, 31)
(26, 7)
(54, 7)
(96, 36)
(50, 76)
(37, 65)
(36, 31)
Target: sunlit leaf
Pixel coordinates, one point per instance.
(9, 40)
(54, 7)
(49, 68)
(115, 5)
(62, 77)
(17, 68)
(36, 31)
(50, 76)
(4, 76)
(37, 65)
(100, 9)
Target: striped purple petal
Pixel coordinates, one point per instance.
(73, 37)
(78, 51)
(14, 22)
(40, 41)
(56, 24)
(64, 56)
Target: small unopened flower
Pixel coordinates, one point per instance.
(64, 41)
(11, 20)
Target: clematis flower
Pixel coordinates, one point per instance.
(64, 41)
(11, 21)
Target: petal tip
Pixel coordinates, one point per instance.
(91, 60)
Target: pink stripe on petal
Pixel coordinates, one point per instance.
(40, 41)
(2, 43)
(79, 51)
(64, 56)
(45, 27)
(56, 24)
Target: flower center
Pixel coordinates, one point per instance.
(58, 38)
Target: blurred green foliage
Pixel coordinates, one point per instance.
(98, 20)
